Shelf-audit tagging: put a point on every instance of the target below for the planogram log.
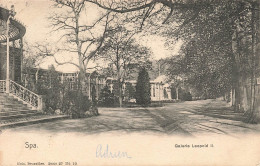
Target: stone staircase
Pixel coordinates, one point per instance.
(12, 108)
(14, 113)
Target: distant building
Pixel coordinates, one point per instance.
(160, 89)
(93, 80)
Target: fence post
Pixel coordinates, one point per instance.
(39, 108)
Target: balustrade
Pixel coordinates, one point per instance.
(23, 94)
(2, 86)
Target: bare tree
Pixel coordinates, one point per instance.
(80, 39)
(152, 7)
(181, 15)
(33, 58)
(122, 51)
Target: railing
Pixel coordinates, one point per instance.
(23, 94)
(2, 86)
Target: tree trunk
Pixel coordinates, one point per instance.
(118, 77)
(177, 93)
(254, 116)
(235, 68)
(257, 49)
(82, 68)
(244, 98)
(81, 80)
(35, 86)
(236, 94)
(120, 96)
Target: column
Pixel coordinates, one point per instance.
(7, 56)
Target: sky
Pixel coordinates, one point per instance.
(34, 13)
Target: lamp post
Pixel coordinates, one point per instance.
(11, 15)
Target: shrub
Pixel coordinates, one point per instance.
(129, 92)
(50, 88)
(143, 93)
(106, 98)
(181, 93)
(79, 104)
(59, 96)
(173, 93)
(187, 96)
(52, 101)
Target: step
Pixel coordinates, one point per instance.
(14, 109)
(35, 120)
(18, 103)
(16, 112)
(12, 102)
(14, 106)
(8, 109)
(6, 97)
(8, 100)
(18, 115)
(5, 109)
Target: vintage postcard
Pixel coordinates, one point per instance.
(129, 82)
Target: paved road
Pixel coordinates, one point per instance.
(193, 118)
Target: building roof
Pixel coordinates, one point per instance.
(161, 78)
(17, 29)
(93, 74)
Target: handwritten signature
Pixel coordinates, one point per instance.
(107, 153)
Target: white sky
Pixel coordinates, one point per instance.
(34, 13)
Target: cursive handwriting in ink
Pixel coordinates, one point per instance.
(107, 153)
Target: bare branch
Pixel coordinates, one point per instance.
(64, 63)
(139, 6)
(169, 15)
(147, 14)
(93, 53)
(89, 45)
(122, 9)
(88, 27)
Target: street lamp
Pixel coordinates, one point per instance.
(11, 15)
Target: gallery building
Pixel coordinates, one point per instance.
(93, 81)
(160, 88)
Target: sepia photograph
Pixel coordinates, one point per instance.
(129, 82)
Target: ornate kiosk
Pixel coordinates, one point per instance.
(11, 55)
(14, 40)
